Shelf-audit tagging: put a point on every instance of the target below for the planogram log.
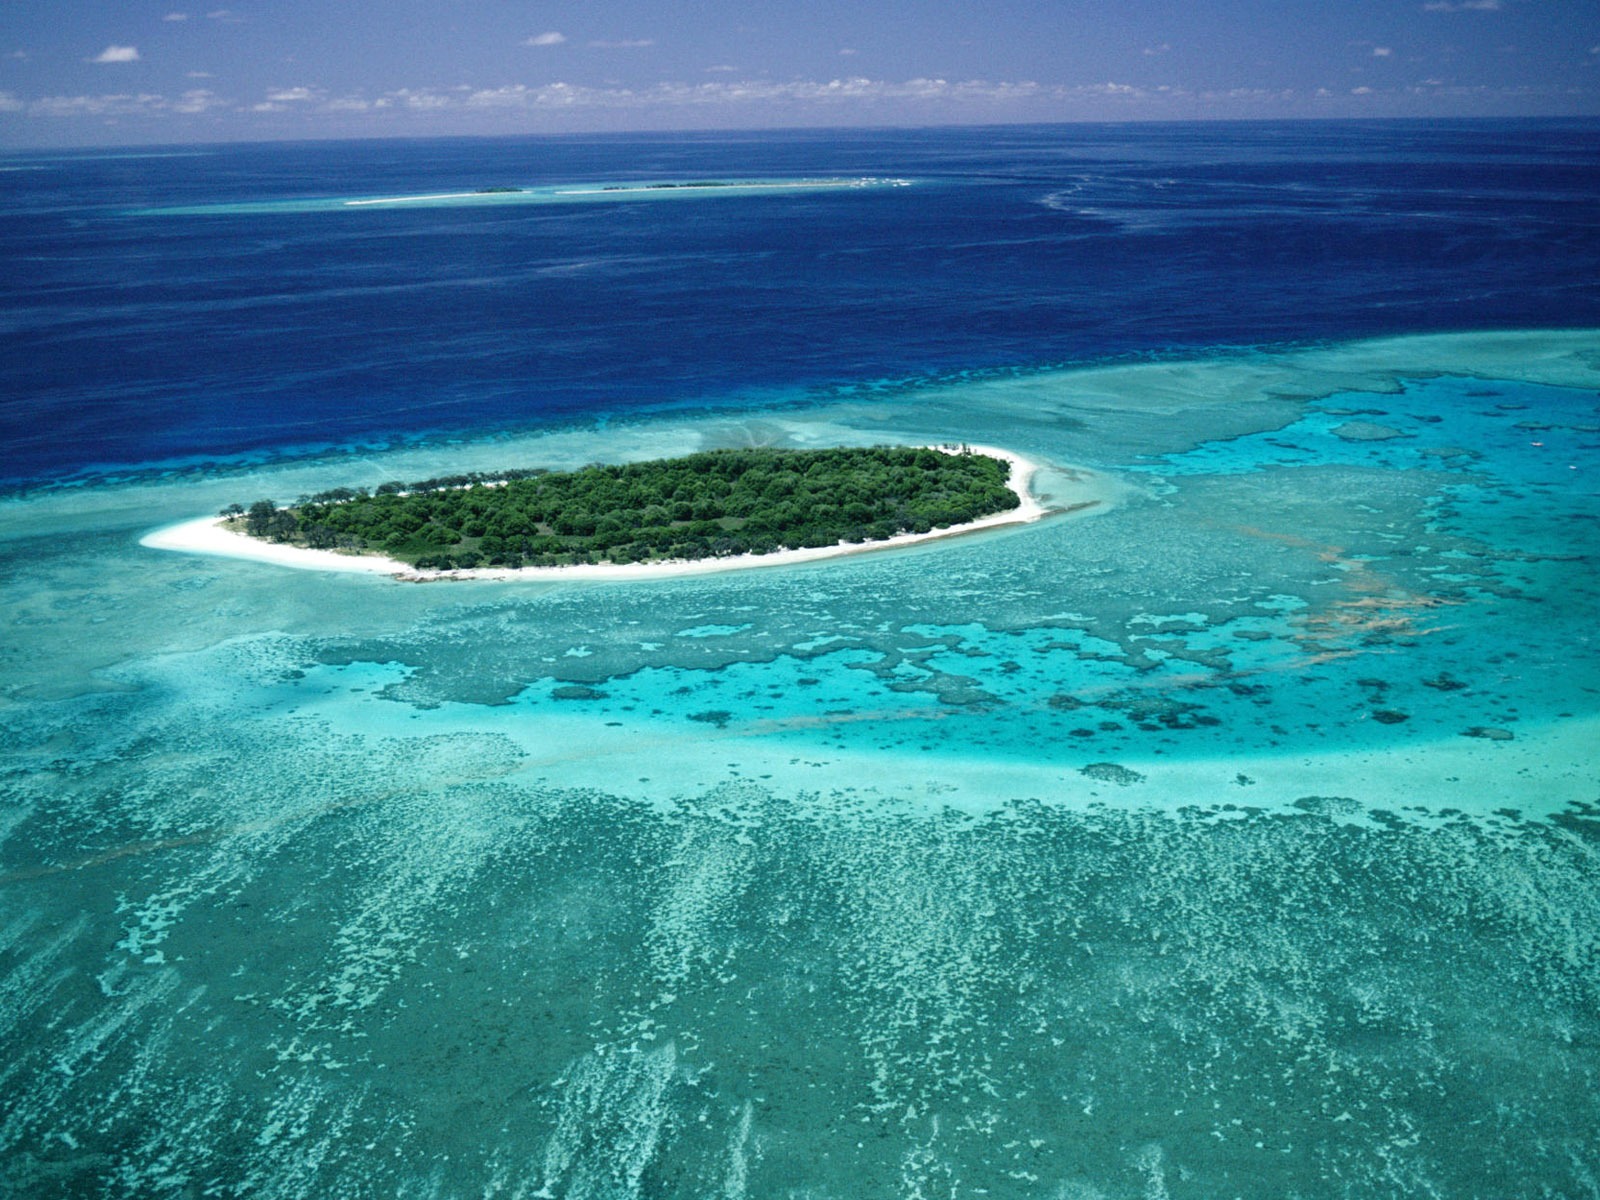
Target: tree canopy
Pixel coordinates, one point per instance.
(711, 504)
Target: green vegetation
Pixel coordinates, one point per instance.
(707, 505)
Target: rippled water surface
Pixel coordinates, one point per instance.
(1236, 835)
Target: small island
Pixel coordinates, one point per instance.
(711, 505)
(758, 526)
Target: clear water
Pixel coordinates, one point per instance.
(1236, 837)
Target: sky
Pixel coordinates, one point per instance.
(123, 72)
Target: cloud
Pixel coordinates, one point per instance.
(1163, 48)
(1463, 6)
(848, 52)
(801, 91)
(727, 98)
(176, 16)
(629, 44)
(224, 14)
(118, 105)
(725, 69)
(546, 39)
(731, 94)
(419, 99)
(1382, 52)
(197, 100)
(117, 54)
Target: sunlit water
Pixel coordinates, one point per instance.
(1236, 837)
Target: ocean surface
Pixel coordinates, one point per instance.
(1236, 835)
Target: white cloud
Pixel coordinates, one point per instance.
(802, 91)
(1463, 6)
(849, 52)
(117, 54)
(9, 103)
(725, 69)
(546, 39)
(123, 104)
(727, 97)
(197, 100)
(1163, 48)
(176, 16)
(224, 14)
(198, 74)
(415, 99)
(1382, 52)
(628, 44)
(117, 105)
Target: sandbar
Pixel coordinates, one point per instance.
(432, 196)
(207, 535)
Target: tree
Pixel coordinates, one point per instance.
(282, 524)
(259, 517)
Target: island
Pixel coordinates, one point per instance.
(712, 510)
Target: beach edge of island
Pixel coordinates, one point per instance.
(208, 536)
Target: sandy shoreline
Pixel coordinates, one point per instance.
(206, 535)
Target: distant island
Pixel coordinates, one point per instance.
(716, 504)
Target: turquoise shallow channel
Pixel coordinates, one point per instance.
(1236, 836)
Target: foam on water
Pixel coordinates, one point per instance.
(1238, 839)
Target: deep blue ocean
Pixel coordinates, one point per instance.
(132, 339)
(1232, 830)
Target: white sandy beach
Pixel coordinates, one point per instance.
(207, 535)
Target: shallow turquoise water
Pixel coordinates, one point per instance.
(1235, 837)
